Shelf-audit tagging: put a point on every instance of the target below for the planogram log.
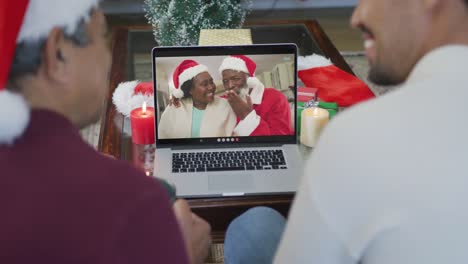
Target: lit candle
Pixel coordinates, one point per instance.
(313, 120)
(142, 122)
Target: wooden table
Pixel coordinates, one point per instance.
(128, 40)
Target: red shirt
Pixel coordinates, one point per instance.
(274, 113)
(63, 202)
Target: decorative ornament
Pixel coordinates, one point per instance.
(131, 95)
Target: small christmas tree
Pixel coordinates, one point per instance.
(178, 22)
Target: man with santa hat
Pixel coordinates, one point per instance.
(260, 111)
(60, 200)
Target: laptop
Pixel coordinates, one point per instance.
(229, 164)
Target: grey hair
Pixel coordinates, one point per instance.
(28, 54)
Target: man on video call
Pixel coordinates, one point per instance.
(260, 111)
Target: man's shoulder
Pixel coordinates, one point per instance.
(77, 165)
(120, 176)
(78, 169)
(270, 91)
(93, 200)
(346, 157)
(114, 183)
(273, 95)
(370, 116)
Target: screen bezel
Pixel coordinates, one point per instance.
(191, 51)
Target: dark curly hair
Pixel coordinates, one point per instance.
(186, 87)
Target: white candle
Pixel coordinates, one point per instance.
(313, 120)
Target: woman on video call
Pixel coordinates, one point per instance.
(201, 113)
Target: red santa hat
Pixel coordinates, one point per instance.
(130, 95)
(186, 70)
(22, 21)
(245, 64)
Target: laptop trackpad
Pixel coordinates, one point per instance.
(230, 182)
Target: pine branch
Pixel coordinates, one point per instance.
(178, 22)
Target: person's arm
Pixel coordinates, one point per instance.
(276, 122)
(334, 218)
(307, 237)
(147, 232)
(319, 218)
(196, 232)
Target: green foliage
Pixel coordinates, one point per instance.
(178, 22)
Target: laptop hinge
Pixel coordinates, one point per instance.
(249, 145)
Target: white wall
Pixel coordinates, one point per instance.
(167, 65)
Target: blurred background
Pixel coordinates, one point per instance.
(333, 16)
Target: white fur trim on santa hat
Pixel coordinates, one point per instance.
(186, 75)
(257, 89)
(191, 73)
(43, 15)
(312, 61)
(14, 116)
(137, 101)
(233, 63)
(178, 93)
(125, 100)
(122, 96)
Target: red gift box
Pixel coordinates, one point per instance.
(305, 94)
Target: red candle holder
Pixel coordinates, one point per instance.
(142, 122)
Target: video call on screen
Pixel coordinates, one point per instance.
(274, 71)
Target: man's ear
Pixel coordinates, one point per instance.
(55, 61)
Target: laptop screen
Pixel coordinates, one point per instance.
(225, 95)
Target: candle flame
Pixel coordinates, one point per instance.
(144, 107)
(148, 173)
(316, 111)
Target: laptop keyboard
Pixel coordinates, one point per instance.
(228, 161)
